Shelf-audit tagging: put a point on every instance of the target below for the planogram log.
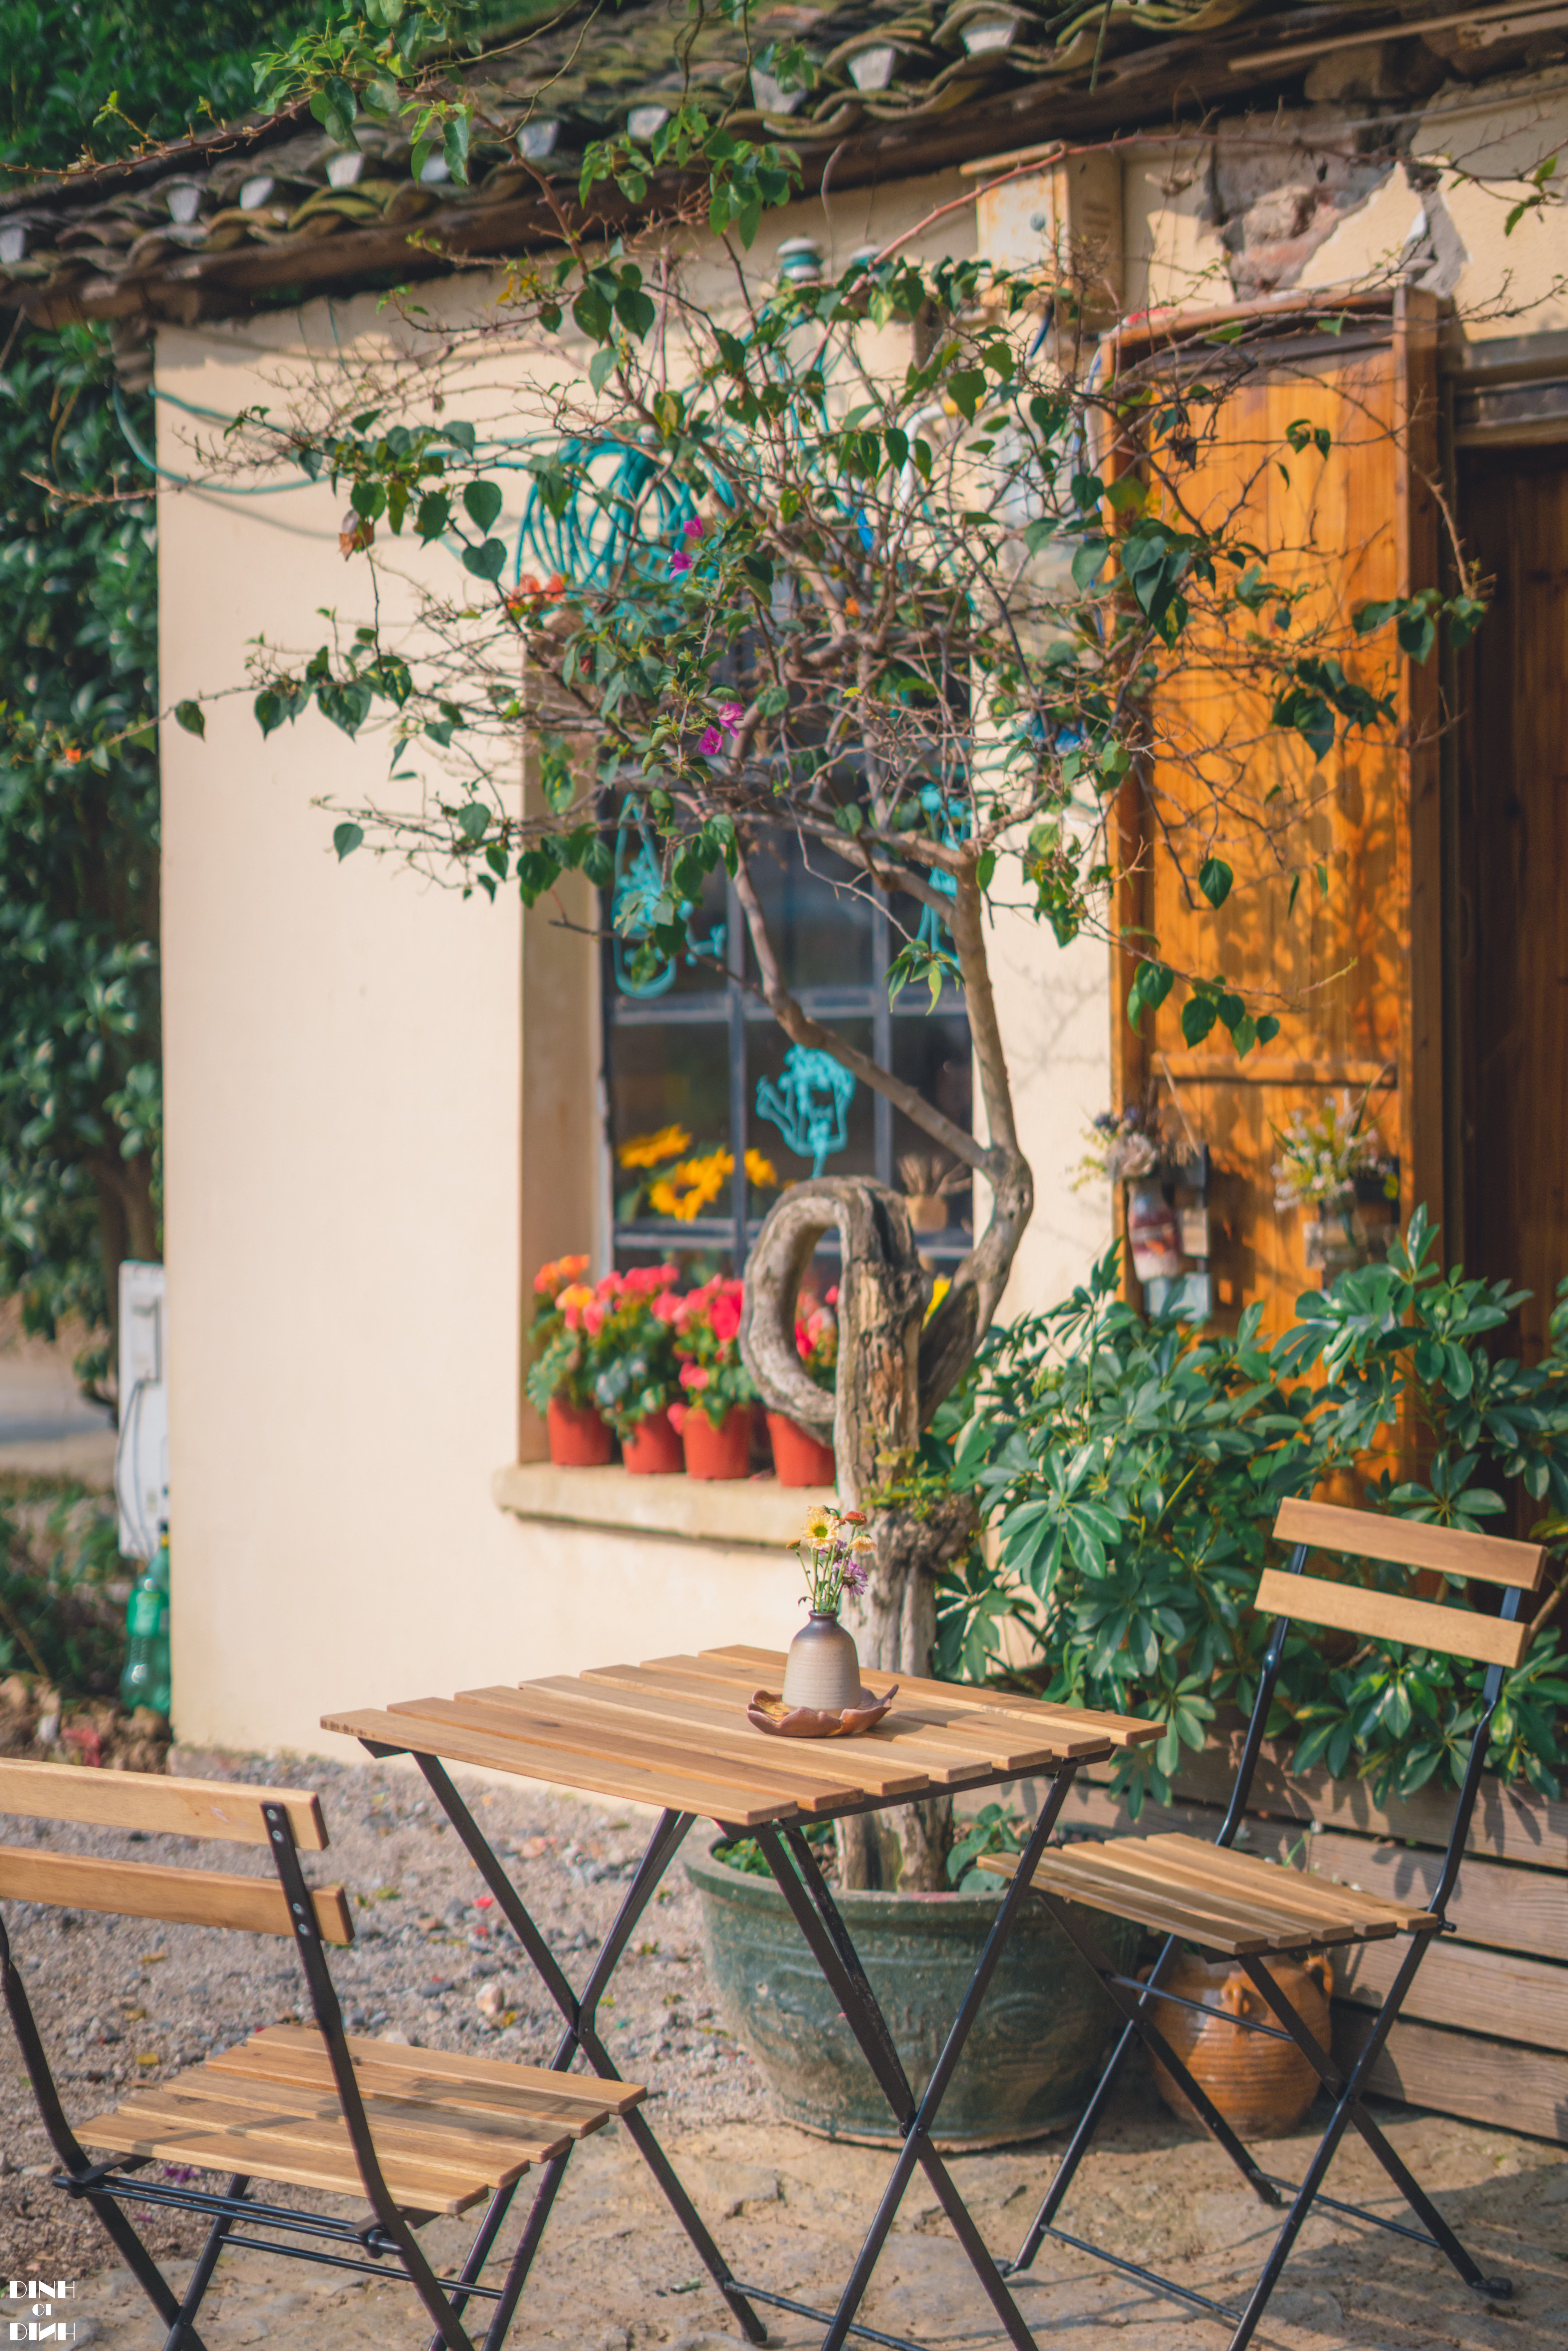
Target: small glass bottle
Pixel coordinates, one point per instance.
(145, 1680)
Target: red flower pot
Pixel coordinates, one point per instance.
(653, 1449)
(724, 1452)
(798, 1457)
(579, 1439)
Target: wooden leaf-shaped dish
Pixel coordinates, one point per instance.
(769, 1713)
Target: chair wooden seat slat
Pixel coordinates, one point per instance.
(415, 2131)
(1244, 1907)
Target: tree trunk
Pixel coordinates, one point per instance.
(875, 1417)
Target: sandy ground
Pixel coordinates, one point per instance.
(121, 2001)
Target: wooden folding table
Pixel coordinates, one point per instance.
(672, 1734)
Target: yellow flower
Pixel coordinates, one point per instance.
(650, 1150)
(762, 1172)
(940, 1291)
(689, 1187)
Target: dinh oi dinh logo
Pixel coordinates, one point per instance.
(32, 2311)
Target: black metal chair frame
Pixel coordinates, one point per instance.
(236, 2215)
(1133, 1998)
(811, 1904)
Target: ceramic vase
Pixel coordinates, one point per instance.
(723, 1452)
(578, 1438)
(824, 1669)
(798, 1457)
(1261, 2086)
(653, 1449)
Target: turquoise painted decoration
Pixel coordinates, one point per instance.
(931, 924)
(634, 909)
(810, 1104)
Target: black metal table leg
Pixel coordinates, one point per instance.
(804, 1889)
(581, 2031)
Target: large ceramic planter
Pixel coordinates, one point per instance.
(1042, 2035)
(798, 1457)
(578, 1438)
(723, 1452)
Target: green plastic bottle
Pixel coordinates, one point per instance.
(145, 1680)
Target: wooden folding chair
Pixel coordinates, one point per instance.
(417, 2132)
(1240, 1907)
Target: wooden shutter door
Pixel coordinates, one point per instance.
(1356, 963)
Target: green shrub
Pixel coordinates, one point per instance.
(62, 1599)
(1129, 1468)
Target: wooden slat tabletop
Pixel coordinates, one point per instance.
(673, 1733)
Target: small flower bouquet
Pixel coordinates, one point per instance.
(833, 1549)
(1328, 1161)
(1122, 1147)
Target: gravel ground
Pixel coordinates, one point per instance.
(121, 2001)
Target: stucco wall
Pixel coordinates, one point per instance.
(351, 1192)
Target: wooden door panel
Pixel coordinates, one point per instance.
(1332, 952)
(1516, 520)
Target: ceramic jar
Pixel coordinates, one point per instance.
(823, 1669)
(1262, 2087)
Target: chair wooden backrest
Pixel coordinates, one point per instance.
(1388, 1616)
(215, 1809)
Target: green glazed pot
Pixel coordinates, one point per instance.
(1035, 2051)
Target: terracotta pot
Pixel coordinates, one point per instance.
(579, 1439)
(823, 1667)
(1262, 2087)
(798, 1457)
(928, 1212)
(653, 1449)
(724, 1452)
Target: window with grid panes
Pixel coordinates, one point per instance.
(692, 1051)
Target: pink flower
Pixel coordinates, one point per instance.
(677, 1413)
(833, 1296)
(724, 1316)
(679, 563)
(692, 530)
(594, 1318)
(711, 742)
(730, 717)
(802, 1339)
(668, 1308)
(694, 1375)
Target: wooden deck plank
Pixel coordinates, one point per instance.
(951, 1752)
(1410, 1543)
(1501, 1993)
(147, 1889)
(448, 2066)
(598, 1736)
(627, 1782)
(1074, 1723)
(1130, 1863)
(163, 1806)
(1388, 1617)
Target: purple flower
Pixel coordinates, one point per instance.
(730, 717)
(854, 1575)
(679, 563)
(692, 530)
(710, 743)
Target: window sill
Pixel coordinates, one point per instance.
(741, 1514)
